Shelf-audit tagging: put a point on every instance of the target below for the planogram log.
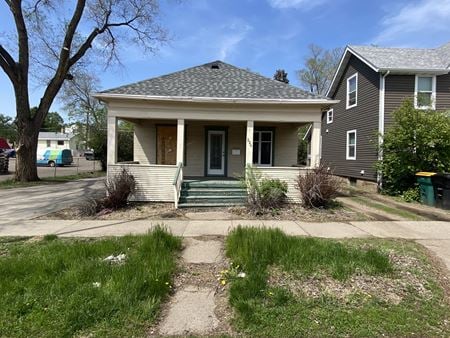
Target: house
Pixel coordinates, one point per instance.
(370, 83)
(54, 140)
(210, 121)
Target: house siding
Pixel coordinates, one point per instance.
(443, 92)
(364, 118)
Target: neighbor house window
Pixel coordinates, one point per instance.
(60, 143)
(330, 116)
(352, 91)
(49, 143)
(351, 145)
(262, 147)
(425, 93)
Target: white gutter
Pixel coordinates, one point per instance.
(381, 112)
(106, 96)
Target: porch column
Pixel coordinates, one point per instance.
(249, 144)
(315, 144)
(180, 141)
(112, 140)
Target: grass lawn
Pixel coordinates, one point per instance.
(315, 287)
(9, 184)
(388, 209)
(61, 287)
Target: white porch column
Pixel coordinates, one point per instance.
(180, 141)
(112, 140)
(249, 144)
(315, 144)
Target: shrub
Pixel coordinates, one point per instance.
(418, 140)
(118, 189)
(264, 194)
(318, 187)
(412, 195)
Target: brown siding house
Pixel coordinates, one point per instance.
(386, 77)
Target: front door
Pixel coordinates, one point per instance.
(216, 153)
(166, 145)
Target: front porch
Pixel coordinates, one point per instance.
(167, 152)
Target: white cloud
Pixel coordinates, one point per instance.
(416, 24)
(231, 38)
(297, 4)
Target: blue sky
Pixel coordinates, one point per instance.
(264, 35)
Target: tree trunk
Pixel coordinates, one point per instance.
(27, 140)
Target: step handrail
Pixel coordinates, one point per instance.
(177, 183)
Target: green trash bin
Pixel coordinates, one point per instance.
(426, 188)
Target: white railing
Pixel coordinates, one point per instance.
(177, 183)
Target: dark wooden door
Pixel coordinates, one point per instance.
(166, 145)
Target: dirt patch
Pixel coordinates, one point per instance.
(295, 212)
(206, 276)
(409, 277)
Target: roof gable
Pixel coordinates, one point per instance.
(214, 80)
(401, 60)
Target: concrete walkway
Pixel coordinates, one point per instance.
(434, 235)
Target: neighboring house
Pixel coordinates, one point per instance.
(371, 83)
(210, 121)
(53, 140)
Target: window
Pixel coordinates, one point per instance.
(262, 147)
(60, 143)
(425, 93)
(352, 91)
(49, 143)
(351, 145)
(330, 116)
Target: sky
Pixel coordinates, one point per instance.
(262, 35)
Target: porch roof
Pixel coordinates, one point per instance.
(214, 81)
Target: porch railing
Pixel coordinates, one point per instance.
(177, 182)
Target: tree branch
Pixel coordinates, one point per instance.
(8, 65)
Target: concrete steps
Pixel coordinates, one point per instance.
(212, 193)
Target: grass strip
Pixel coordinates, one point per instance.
(273, 311)
(64, 288)
(11, 183)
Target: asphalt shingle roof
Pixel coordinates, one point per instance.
(405, 58)
(215, 79)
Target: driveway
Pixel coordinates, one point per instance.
(31, 202)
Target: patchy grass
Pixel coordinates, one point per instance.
(387, 209)
(301, 301)
(10, 183)
(59, 287)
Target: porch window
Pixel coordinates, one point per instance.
(262, 147)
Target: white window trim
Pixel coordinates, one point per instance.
(347, 157)
(433, 91)
(259, 147)
(356, 91)
(330, 120)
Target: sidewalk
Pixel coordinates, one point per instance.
(432, 234)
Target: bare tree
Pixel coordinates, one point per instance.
(319, 68)
(57, 38)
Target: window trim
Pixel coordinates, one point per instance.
(433, 91)
(330, 120)
(356, 91)
(259, 146)
(347, 155)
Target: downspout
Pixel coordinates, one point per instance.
(381, 123)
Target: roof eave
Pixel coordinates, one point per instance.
(434, 71)
(108, 96)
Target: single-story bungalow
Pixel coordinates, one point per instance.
(210, 122)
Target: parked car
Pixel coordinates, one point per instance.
(10, 153)
(55, 157)
(89, 155)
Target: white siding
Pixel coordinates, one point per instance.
(144, 150)
(154, 182)
(286, 174)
